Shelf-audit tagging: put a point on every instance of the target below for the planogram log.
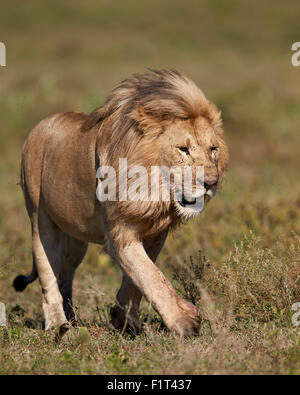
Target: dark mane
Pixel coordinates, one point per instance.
(163, 93)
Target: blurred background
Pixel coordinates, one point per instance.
(68, 55)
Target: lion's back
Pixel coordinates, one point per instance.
(50, 129)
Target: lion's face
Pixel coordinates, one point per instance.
(193, 143)
(164, 120)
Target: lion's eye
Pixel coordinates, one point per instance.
(213, 151)
(184, 149)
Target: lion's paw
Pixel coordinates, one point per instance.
(124, 321)
(189, 322)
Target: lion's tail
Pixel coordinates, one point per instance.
(21, 282)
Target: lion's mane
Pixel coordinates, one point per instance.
(134, 114)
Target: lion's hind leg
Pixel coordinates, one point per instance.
(72, 254)
(125, 314)
(56, 257)
(47, 256)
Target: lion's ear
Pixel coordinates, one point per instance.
(147, 121)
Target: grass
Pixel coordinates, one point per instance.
(239, 262)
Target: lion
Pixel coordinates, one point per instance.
(160, 117)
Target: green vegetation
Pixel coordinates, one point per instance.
(67, 56)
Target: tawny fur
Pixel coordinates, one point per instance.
(145, 119)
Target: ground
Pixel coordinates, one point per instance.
(241, 257)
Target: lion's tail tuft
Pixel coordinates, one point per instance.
(21, 282)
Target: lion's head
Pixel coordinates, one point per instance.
(163, 119)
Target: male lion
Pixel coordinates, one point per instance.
(160, 118)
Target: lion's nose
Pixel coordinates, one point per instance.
(207, 186)
(210, 181)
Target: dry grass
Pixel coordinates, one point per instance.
(68, 56)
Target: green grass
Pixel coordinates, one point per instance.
(68, 56)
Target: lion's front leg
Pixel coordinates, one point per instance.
(126, 312)
(178, 315)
